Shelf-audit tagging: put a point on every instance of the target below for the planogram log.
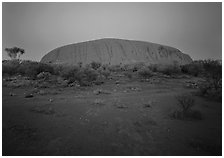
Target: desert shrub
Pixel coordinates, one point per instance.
(195, 114)
(213, 69)
(170, 69)
(138, 66)
(185, 103)
(129, 74)
(199, 143)
(145, 73)
(211, 88)
(26, 68)
(58, 69)
(153, 67)
(95, 65)
(104, 72)
(206, 90)
(32, 69)
(99, 80)
(84, 76)
(105, 66)
(10, 67)
(127, 67)
(89, 74)
(70, 73)
(194, 68)
(44, 75)
(115, 68)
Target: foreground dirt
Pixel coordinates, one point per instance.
(127, 118)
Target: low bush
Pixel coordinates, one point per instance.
(104, 71)
(185, 104)
(194, 68)
(10, 67)
(170, 69)
(44, 76)
(84, 76)
(129, 74)
(206, 90)
(145, 73)
(88, 76)
(138, 66)
(213, 69)
(115, 68)
(58, 69)
(212, 87)
(27, 68)
(153, 67)
(32, 69)
(95, 65)
(70, 73)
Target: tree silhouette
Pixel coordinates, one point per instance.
(15, 52)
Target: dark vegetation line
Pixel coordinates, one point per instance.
(96, 73)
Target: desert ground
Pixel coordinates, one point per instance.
(120, 117)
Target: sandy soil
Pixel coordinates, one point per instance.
(130, 118)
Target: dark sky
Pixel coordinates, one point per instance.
(194, 28)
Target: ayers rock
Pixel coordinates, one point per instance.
(114, 52)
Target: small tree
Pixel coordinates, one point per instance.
(15, 52)
(186, 102)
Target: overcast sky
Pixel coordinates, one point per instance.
(194, 28)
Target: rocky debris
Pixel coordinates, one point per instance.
(119, 75)
(148, 104)
(121, 106)
(35, 90)
(100, 80)
(42, 92)
(12, 94)
(100, 91)
(130, 88)
(29, 95)
(153, 80)
(145, 80)
(62, 82)
(191, 84)
(74, 84)
(145, 123)
(183, 76)
(117, 103)
(44, 75)
(51, 100)
(98, 102)
(44, 85)
(38, 91)
(24, 130)
(43, 110)
(117, 82)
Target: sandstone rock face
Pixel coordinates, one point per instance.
(115, 52)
